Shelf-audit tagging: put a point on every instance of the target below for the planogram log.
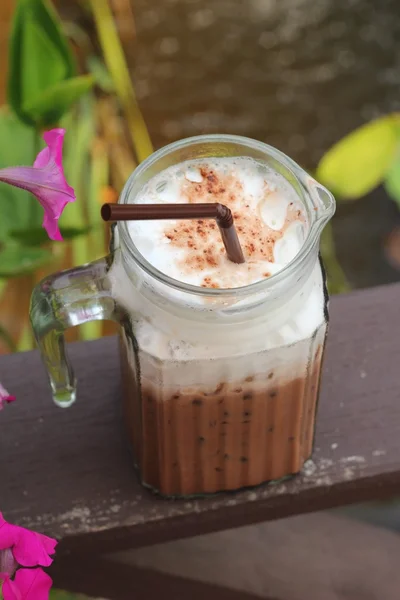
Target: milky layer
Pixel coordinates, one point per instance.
(269, 219)
(177, 350)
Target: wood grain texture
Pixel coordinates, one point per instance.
(319, 556)
(108, 579)
(69, 472)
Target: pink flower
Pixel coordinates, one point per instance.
(8, 564)
(19, 546)
(28, 584)
(5, 396)
(29, 548)
(45, 180)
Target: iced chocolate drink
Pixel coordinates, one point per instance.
(221, 358)
(221, 362)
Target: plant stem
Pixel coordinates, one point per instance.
(34, 206)
(80, 132)
(8, 339)
(337, 281)
(120, 154)
(79, 138)
(99, 176)
(99, 179)
(116, 64)
(26, 341)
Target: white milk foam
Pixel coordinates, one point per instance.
(176, 347)
(270, 221)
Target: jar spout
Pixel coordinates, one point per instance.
(322, 200)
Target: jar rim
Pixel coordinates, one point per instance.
(303, 179)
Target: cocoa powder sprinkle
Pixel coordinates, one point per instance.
(256, 238)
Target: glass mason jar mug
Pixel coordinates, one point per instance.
(220, 386)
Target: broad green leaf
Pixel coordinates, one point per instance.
(19, 209)
(16, 260)
(392, 179)
(40, 56)
(56, 100)
(36, 236)
(359, 162)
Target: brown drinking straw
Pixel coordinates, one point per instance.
(143, 212)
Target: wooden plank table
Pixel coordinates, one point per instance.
(68, 472)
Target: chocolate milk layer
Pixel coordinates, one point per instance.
(238, 435)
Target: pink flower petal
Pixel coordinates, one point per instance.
(46, 180)
(5, 396)
(8, 534)
(6, 590)
(28, 547)
(33, 549)
(9, 591)
(28, 584)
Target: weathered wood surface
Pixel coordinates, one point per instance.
(69, 473)
(319, 556)
(109, 579)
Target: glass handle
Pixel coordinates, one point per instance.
(61, 301)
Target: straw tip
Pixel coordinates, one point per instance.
(106, 212)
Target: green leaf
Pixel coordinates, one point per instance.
(40, 56)
(392, 179)
(36, 236)
(17, 260)
(359, 162)
(19, 209)
(49, 107)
